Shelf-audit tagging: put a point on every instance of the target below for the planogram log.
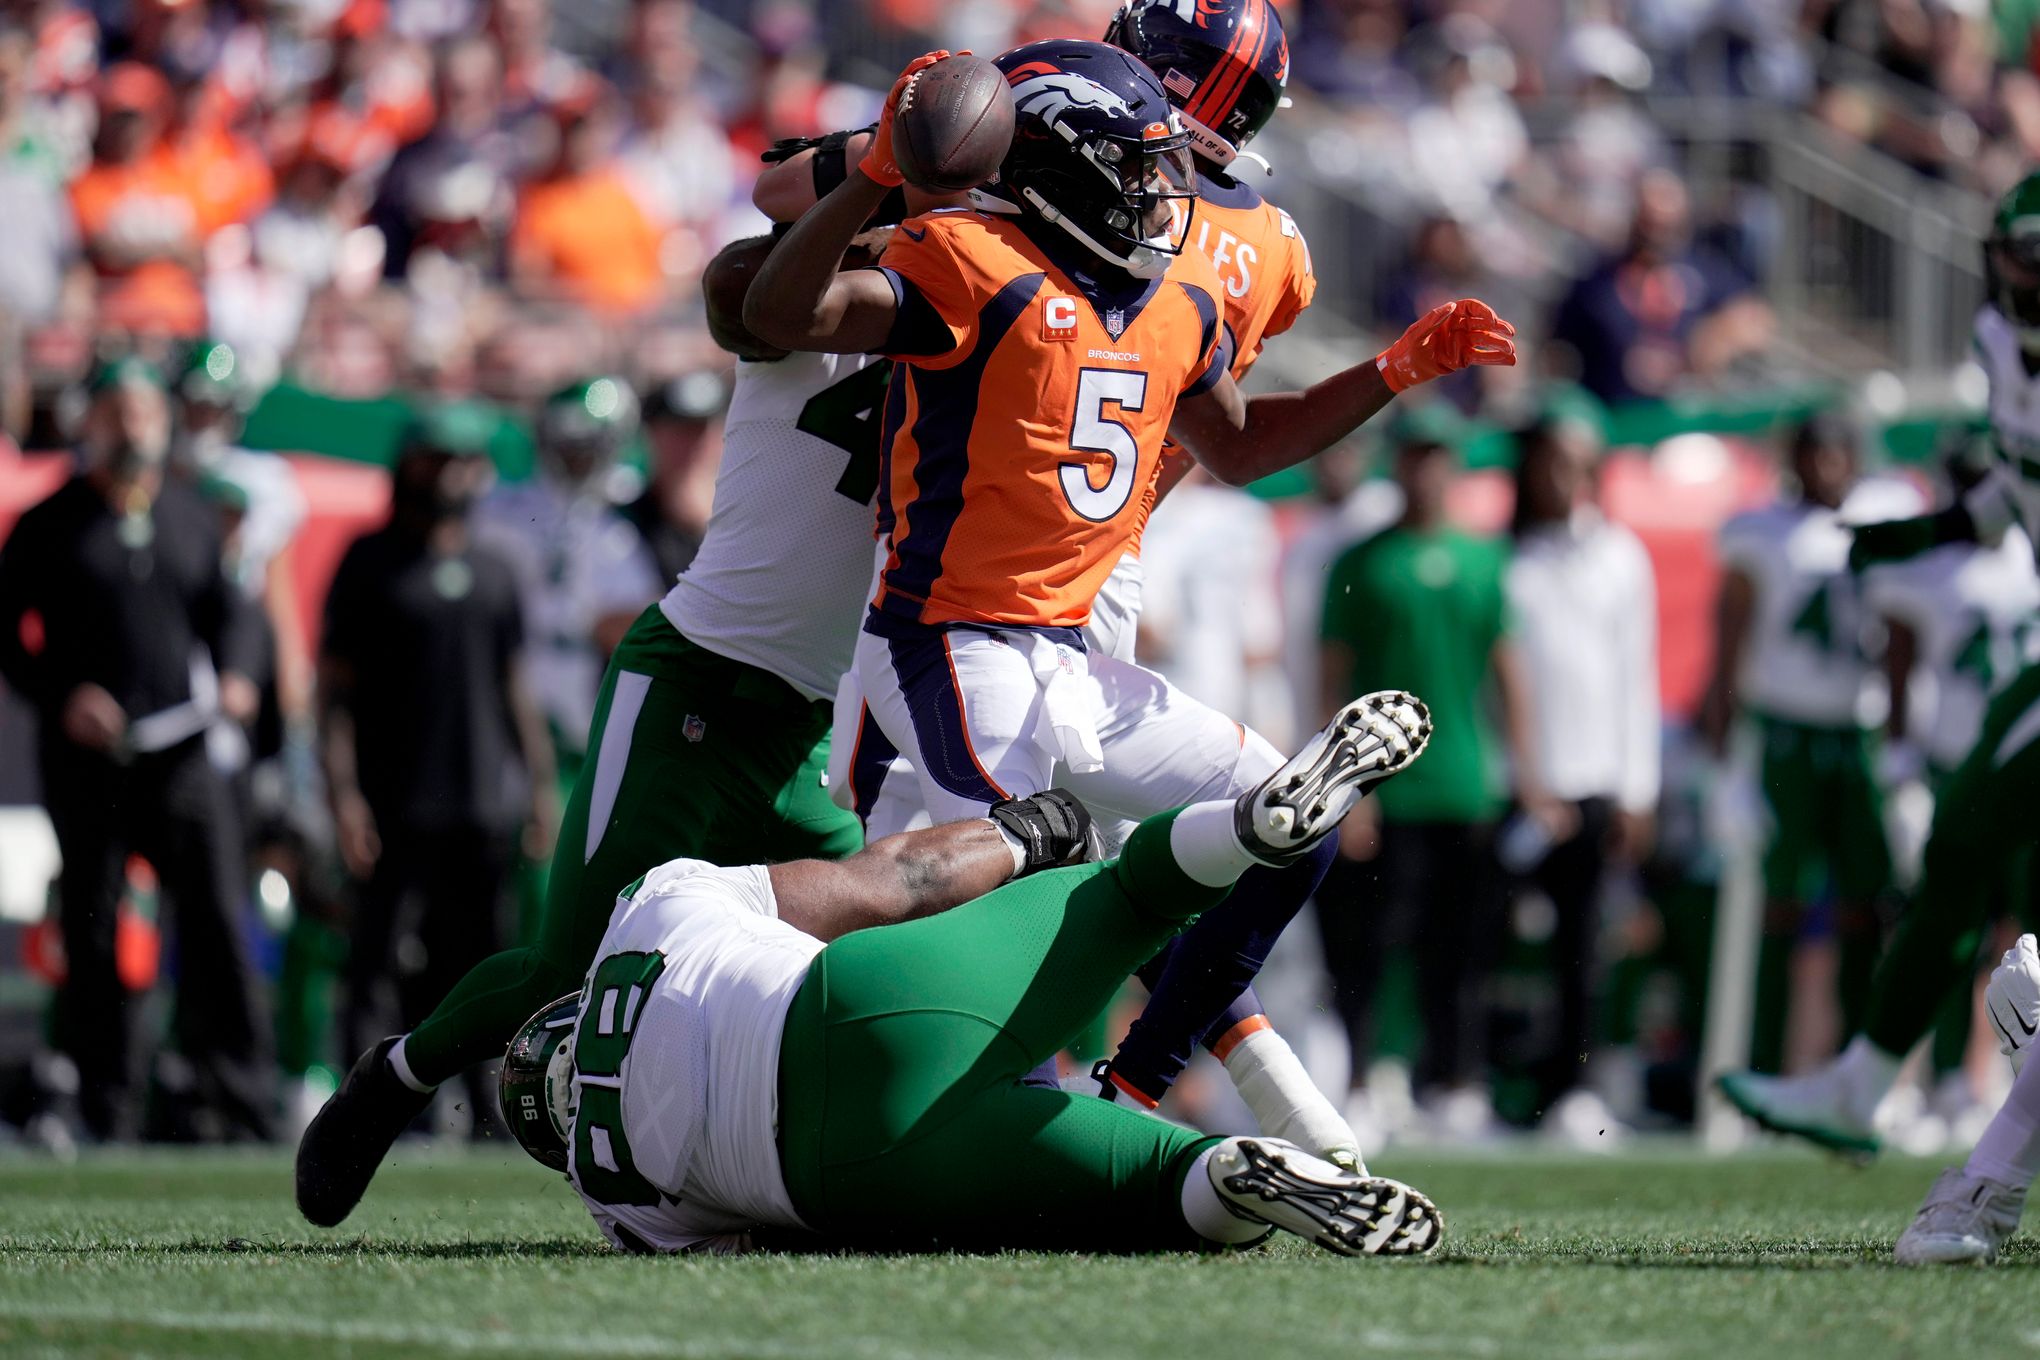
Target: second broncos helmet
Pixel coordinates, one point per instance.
(1097, 152)
(1223, 63)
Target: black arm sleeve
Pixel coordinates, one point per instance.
(1896, 540)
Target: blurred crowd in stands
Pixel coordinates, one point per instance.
(502, 199)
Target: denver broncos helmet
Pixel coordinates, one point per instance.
(1097, 151)
(1223, 63)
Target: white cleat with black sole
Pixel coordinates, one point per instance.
(1370, 739)
(1269, 1181)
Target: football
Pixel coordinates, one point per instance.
(954, 124)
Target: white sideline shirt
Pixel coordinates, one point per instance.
(700, 1075)
(1585, 602)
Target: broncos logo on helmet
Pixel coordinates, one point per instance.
(1043, 91)
(1097, 152)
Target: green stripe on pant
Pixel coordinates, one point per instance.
(721, 762)
(901, 1123)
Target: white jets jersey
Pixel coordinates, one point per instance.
(681, 1020)
(1976, 613)
(1804, 660)
(784, 572)
(2011, 493)
(577, 561)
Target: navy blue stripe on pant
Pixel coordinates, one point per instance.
(920, 663)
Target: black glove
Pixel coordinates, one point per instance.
(1053, 829)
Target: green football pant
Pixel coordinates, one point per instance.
(693, 756)
(901, 1123)
(1984, 819)
(1827, 831)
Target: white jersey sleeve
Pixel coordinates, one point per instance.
(784, 571)
(2012, 491)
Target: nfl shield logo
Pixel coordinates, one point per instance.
(1115, 321)
(694, 729)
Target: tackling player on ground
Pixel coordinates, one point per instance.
(746, 1054)
(710, 736)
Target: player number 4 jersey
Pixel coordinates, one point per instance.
(783, 573)
(1018, 457)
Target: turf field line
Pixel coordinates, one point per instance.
(463, 1339)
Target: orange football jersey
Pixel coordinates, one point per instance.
(1264, 268)
(1017, 461)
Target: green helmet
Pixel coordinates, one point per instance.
(536, 1085)
(583, 427)
(2011, 259)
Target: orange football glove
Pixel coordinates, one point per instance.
(1449, 337)
(878, 164)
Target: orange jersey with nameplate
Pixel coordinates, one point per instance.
(1263, 266)
(1024, 424)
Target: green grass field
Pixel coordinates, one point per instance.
(1655, 1254)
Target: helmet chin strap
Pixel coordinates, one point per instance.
(1144, 261)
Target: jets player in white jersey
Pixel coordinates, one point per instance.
(710, 732)
(828, 1048)
(1982, 821)
(1790, 656)
(1961, 621)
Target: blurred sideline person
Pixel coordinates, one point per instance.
(142, 644)
(1425, 601)
(435, 753)
(683, 424)
(583, 573)
(827, 1048)
(1584, 603)
(1790, 653)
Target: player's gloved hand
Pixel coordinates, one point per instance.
(878, 164)
(2013, 1000)
(1449, 337)
(1052, 829)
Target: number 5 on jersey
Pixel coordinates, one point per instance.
(1093, 431)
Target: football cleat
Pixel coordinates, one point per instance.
(1265, 1180)
(1375, 736)
(2012, 1000)
(1965, 1218)
(348, 1139)
(1816, 1107)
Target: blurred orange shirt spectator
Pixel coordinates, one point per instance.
(589, 234)
(580, 228)
(138, 213)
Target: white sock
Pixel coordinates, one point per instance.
(1286, 1103)
(401, 1065)
(1867, 1073)
(2009, 1151)
(1206, 846)
(1206, 1211)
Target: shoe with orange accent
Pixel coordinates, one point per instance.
(1367, 741)
(1266, 1180)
